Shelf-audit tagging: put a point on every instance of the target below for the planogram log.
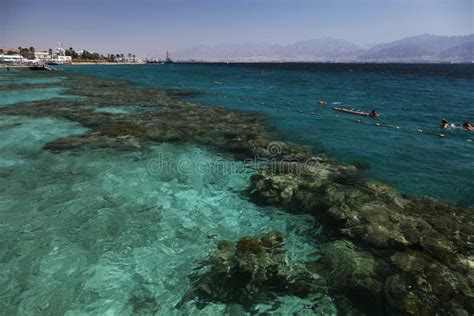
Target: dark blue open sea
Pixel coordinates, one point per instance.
(93, 232)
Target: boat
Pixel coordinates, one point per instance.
(322, 102)
(351, 111)
(153, 61)
(42, 67)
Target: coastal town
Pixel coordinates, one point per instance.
(23, 56)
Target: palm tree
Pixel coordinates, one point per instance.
(20, 51)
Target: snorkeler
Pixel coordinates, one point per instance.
(444, 123)
(373, 114)
(468, 126)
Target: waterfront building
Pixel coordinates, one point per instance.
(12, 58)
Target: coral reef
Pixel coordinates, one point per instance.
(415, 254)
(253, 270)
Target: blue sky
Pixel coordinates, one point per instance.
(148, 28)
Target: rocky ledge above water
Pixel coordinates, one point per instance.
(385, 252)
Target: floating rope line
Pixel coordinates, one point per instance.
(299, 111)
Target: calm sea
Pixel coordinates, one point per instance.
(413, 97)
(93, 232)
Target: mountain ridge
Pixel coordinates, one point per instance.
(418, 48)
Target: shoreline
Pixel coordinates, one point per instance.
(184, 62)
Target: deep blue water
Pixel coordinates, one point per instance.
(412, 97)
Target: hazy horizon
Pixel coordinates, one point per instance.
(148, 28)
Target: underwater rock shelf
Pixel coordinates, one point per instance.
(391, 253)
(383, 252)
(250, 270)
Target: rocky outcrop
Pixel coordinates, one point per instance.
(353, 273)
(414, 254)
(252, 270)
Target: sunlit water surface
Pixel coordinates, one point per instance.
(113, 232)
(101, 232)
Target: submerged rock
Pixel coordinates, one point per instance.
(252, 270)
(354, 273)
(416, 254)
(122, 130)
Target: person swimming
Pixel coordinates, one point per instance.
(468, 126)
(373, 114)
(444, 123)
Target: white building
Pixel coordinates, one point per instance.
(42, 56)
(60, 56)
(62, 59)
(11, 58)
(45, 57)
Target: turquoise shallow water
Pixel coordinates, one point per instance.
(27, 95)
(94, 232)
(16, 80)
(128, 110)
(410, 96)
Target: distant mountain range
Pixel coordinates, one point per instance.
(420, 48)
